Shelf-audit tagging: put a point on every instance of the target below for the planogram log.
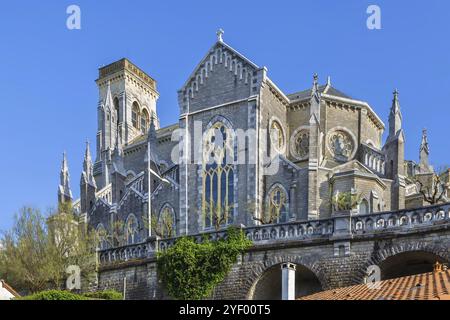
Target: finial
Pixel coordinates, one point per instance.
(396, 93)
(329, 81)
(220, 33)
(316, 77)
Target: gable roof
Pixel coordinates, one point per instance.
(8, 288)
(214, 50)
(427, 286)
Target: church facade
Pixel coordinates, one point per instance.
(243, 152)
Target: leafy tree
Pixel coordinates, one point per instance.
(37, 251)
(191, 271)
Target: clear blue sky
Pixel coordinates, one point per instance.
(48, 96)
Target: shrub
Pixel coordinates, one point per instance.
(54, 295)
(104, 295)
(191, 271)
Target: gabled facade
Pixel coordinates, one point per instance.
(241, 150)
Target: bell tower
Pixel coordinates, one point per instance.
(127, 102)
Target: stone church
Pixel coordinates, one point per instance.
(243, 152)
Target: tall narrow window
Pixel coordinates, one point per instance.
(218, 176)
(277, 204)
(144, 121)
(116, 108)
(131, 229)
(135, 115)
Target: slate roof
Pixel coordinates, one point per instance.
(428, 286)
(305, 94)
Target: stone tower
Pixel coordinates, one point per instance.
(127, 102)
(395, 155)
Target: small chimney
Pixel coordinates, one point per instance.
(439, 267)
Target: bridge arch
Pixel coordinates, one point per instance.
(407, 259)
(264, 282)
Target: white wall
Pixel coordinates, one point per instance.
(5, 294)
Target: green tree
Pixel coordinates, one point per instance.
(37, 250)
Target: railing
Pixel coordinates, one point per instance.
(398, 220)
(127, 253)
(403, 220)
(105, 193)
(301, 230)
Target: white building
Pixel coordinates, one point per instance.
(6, 292)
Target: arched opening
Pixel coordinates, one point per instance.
(268, 286)
(116, 108)
(364, 207)
(145, 120)
(409, 263)
(135, 114)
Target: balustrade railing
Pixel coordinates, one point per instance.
(403, 219)
(298, 230)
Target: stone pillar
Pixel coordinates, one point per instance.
(288, 281)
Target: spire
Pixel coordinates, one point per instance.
(64, 192)
(424, 153)
(108, 98)
(219, 34)
(395, 116)
(88, 168)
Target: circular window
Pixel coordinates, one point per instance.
(300, 144)
(341, 145)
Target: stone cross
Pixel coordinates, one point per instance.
(220, 33)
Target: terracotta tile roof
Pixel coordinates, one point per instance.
(7, 287)
(427, 286)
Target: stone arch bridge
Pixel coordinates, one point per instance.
(325, 254)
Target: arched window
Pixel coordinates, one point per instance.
(131, 229)
(135, 115)
(166, 222)
(116, 108)
(364, 207)
(277, 204)
(145, 120)
(101, 234)
(277, 136)
(218, 176)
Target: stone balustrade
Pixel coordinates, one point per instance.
(403, 219)
(127, 253)
(325, 229)
(299, 230)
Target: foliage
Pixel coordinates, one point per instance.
(37, 251)
(345, 201)
(65, 207)
(104, 295)
(191, 271)
(66, 295)
(54, 295)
